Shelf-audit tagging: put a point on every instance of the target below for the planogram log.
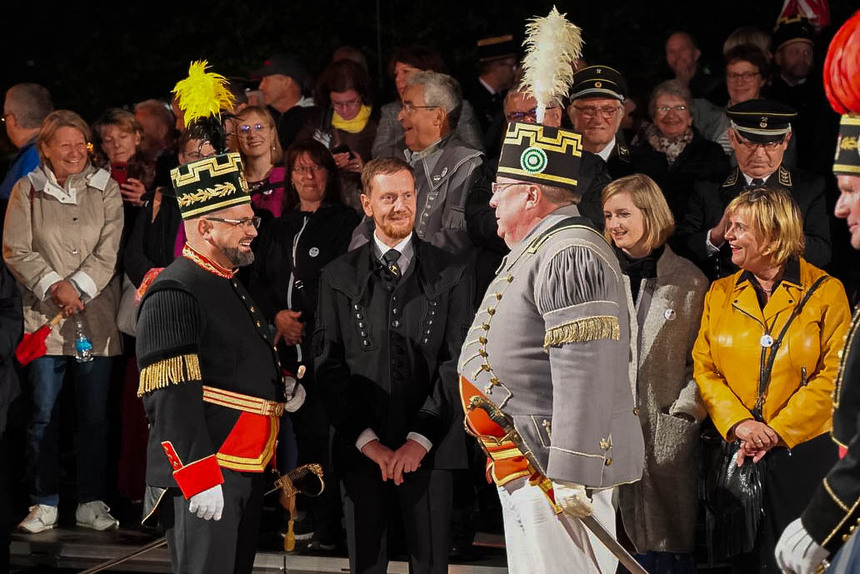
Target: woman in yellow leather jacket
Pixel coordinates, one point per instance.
(744, 314)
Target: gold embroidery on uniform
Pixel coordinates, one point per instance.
(205, 195)
(835, 498)
(583, 330)
(849, 340)
(840, 524)
(170, 371)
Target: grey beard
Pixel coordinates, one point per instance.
(237, 258)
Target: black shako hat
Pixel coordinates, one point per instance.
(598, 82)
(760, 120)
(847, 160)
(540, 154)
(210, 184)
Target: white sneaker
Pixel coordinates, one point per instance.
(95, 515)
(42, 517)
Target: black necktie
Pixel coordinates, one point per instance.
(757, 182)
(390, 257)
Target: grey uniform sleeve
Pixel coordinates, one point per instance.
(577, 292)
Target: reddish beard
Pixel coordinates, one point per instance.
(396, 230)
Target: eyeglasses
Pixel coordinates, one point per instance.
(302, 170)
(745, 76)
(408, 108)
(347, 104)
(528, 117)
(500, 187)
(663, 110)
(591, 111)
(246, 223)
(245, 129)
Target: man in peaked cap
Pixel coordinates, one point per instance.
(596, 110)
(759, 133)
(497, 67)
(552, 351)
(797, 82)
(827, 526)
(210, 379)
(283, 80)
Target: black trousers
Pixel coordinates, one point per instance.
(312, 431)
(225, 546)
(424, 501)
(790, 481)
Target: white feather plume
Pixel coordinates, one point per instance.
(552, 45)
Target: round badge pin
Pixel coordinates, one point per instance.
(766, 340)
(669, 314)
(533, 160)
(314, 251)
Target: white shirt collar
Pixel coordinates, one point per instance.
(382, 248)
(607, 151)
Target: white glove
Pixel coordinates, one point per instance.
(208, 504)
(572, 498)
(796, 551)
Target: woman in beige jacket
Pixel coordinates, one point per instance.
(60, 240)
(665, 294)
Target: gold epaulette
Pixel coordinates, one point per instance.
(172, 371)
(582, 330)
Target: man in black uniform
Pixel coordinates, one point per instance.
(827, 526)
(210, 379)
(497, 67)
(391, 320)
(759, 134)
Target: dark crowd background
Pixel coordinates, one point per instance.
(95, 55)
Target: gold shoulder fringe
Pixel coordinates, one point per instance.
(582, 330)
(174, 370)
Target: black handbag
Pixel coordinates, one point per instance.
(734, 496)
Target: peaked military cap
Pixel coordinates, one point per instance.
(847, 160)
(210, 184)
(541, 154)
(598, 82)
(761, 120)
(791, 30)
(497, 48)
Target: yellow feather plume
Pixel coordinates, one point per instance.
(552, 44)
(203, 94)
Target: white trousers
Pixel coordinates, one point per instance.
(538, 543)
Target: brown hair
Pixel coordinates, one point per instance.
(382, 166)
(418, 56)
(776, 219)
(648, 198)
(321, 156)
(343, 75)
(124, 120)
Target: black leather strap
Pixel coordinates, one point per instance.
(767, 365)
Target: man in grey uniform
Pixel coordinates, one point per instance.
(550, 347)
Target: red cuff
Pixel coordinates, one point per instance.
(198, 476)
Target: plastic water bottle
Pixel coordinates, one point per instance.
(83, 345)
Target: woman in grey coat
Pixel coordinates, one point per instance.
(666, 294)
